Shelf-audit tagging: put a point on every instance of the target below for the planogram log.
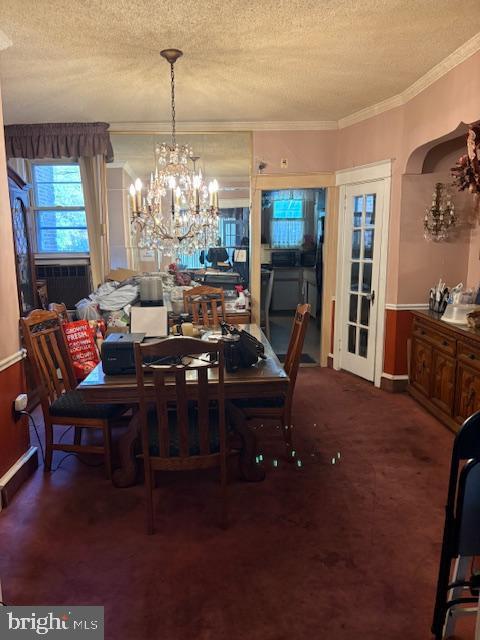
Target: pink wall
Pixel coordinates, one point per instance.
(9, 337)
(397, 134)
(422, 263)
(306, 151)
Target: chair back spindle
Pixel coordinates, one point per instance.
(205, 304)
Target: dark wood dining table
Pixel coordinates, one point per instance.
(266, 379)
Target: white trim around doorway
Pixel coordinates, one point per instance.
(346, 177)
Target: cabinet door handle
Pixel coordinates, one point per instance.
(422, 332)
(445, 343)
(471, 356)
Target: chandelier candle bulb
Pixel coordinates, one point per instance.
(138, 190)
(132, 198)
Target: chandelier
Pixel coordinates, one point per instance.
(440, 216)
(176, 213)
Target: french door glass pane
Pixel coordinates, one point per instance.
(364, 311)
(367, 277)
(354, 276)
(357, 210)
(352, 315)
(356, 242)
(352, 338)
(363, 343)
(368, 236)
(370, 203)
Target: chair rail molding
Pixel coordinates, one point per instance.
(406, 306)
(12, 359)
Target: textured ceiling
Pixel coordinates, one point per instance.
(222, 155)
(244, 60)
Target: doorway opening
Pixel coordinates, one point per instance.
(292, 239)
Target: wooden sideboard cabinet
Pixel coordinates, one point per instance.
(445, 368)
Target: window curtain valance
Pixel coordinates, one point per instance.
(64, 140)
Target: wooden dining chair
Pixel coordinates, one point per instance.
(61, 403)
(279, 409)
(205, 304)
(182, 415)
(266, 300)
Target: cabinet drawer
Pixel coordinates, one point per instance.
(442, 341)
(469, 354)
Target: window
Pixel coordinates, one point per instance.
(228, 232)
(59, 208)
(232, 229)
(287, 223)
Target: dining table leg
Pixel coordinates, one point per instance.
(250, 470)
(128, 447)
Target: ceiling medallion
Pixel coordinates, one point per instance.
(177, 213)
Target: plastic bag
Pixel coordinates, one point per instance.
(87, 310)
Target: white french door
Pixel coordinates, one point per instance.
(363, 214)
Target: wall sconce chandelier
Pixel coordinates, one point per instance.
(177, 213)
(440, 216)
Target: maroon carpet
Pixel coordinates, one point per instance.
(345, 550)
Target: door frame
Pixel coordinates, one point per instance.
(270, 182)
(375, 172)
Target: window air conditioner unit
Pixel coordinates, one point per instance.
(67, 283)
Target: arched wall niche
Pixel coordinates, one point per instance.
(443, 156)
(430, 153)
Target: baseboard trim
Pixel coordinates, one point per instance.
(13, 479)
(393, 384)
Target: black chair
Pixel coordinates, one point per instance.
(458, 588)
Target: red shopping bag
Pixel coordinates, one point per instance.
(81, 344)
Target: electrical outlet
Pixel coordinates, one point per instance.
(283, 163)
(19, 405)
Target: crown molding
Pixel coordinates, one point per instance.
(5, 41)
(221, 126)
(455, 58)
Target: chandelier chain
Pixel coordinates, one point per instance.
(172, 78)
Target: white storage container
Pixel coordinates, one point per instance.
(457, 313)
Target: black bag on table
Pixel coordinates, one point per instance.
(243, 351)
